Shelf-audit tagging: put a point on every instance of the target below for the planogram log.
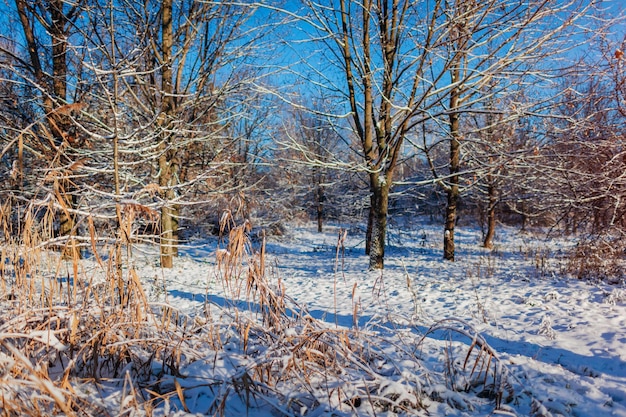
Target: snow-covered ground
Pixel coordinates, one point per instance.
(305, 329)
(557, 345)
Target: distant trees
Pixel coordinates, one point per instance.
(577, 178)
(164, 107)
(492, 151)
(400, 65)
(319, 163)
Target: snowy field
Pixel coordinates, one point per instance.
(556, 346)
(314, 333)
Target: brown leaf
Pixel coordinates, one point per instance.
(68, 109)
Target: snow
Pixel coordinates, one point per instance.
(404, 337)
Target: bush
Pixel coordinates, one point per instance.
(598, 258)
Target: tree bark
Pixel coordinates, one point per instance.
(370, 222)
(448, 235)
(319, 194)
(378, 216)
(452, 189)
(167, 165)
(491, 215)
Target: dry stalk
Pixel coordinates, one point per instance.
(57, 328)
(482, 369)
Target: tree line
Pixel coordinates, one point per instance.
(155, 120)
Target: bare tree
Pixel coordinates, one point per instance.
(158, 85)
(479, 54)
(578, 179)
(401, 64)
(182, 89)
(46, 27)
(381, 61)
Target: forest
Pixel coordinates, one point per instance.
(133, 132)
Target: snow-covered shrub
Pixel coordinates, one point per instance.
(598, 258)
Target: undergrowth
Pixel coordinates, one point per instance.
(600, 257)
(80, 337)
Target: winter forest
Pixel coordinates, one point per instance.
(312, 208)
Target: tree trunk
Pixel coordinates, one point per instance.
(378, 221)
(175, 211)
(452, 189)
(320, 208)
(67, 218)
(168, 169)
(370, 224)
(491, 216)
(167, 238)
(448, 235)
(169, 212)
(61, 127)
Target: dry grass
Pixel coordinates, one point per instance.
(480, 370)
(599, 258)
(71, 335)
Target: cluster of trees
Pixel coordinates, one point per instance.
(119, 114)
